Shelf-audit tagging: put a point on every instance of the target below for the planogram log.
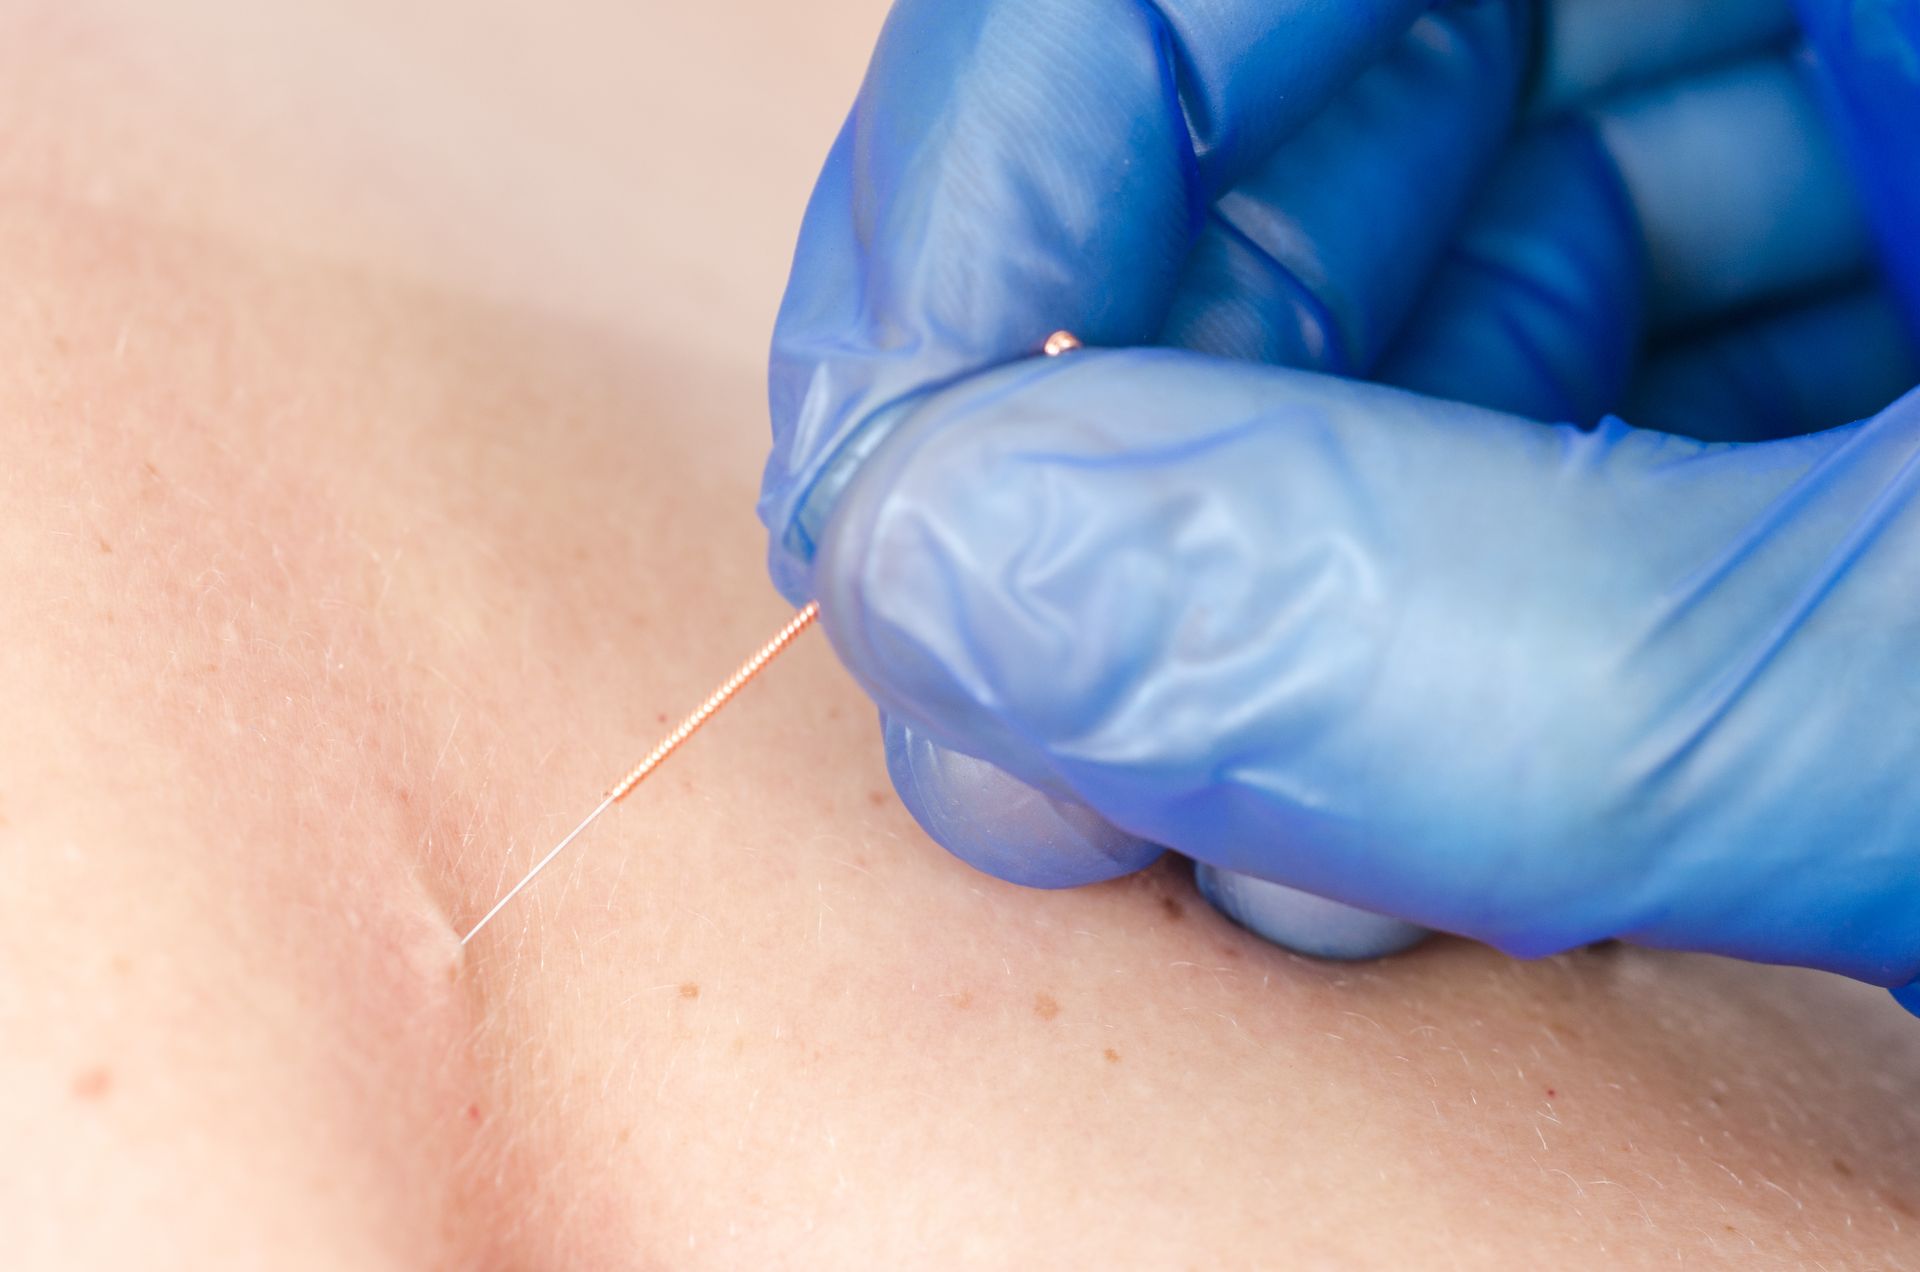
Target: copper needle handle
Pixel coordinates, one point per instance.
(667, 746)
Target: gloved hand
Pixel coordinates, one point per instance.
(1436, 653)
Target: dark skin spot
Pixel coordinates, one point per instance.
(1551, 1093)
(1045, 1005)
(626, 1133)
(1172, 909)
(151, 470)
(833, 713)
(689, 989)
(661, 716)
(1113, 1057)
(92, 1084)
(877, 798)
(1230, 951)
(121, 964)
(1898, 1205)
(1841, 1169)
(963, 999)
(106, 548)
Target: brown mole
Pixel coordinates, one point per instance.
(1045, 1005)
(1113, 1057)
(92, 1084)
(689, 989)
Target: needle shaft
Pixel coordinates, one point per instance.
(667, 746)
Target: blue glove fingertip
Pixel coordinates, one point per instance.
(1908, 996)
(1000, 825)
(1302, 922)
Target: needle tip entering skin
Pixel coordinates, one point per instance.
(668, 745)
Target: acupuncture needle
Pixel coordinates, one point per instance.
(1056, 344)
(666, 746)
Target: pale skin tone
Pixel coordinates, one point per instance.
(369, 499)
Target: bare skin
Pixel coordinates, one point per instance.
(351, 541)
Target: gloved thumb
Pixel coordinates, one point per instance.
(1533, 685)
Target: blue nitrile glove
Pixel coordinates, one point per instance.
(1519, 681)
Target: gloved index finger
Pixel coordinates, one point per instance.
(1016, 166)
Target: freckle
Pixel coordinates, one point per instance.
(1045, 1005)
(1228, 951)
(92, 1084)
(626, 1134)
(877, 798)
(689, 989)
(1113, 1057)
(106, 548)
(1899, 1206)
(833, 713)
(151, 470)
(1172, 909)
(1729, 1227)
(1841, 1169)
(963, 999)
(121, 964)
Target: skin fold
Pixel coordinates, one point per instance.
(382, 415)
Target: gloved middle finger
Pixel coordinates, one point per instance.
(1013, 166)
(1315, 257)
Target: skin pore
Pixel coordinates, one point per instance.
(377, 470)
